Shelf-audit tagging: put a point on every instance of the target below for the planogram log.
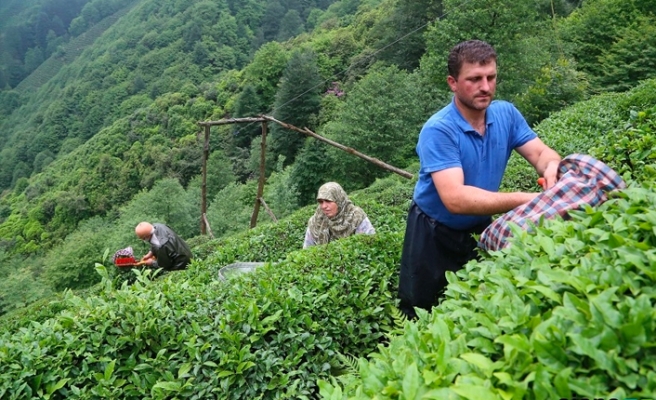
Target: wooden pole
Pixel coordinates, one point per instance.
(268, 210)
(260, 185)
(207, 223)
(203, 188)
(228, 121)
(308, 132)
(350, 150)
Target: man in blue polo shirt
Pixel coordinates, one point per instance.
(463, 152)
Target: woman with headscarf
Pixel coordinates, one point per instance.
(336, 217)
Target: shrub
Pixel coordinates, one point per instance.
(565, 312)
(270, 334)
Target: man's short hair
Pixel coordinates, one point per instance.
(471, 51)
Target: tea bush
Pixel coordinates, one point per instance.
(563, 313)
(631, 151)
(269, 334)
(585, 127)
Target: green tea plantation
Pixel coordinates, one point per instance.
(567, 311)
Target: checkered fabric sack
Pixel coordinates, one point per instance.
(581, 180)
(123, 253)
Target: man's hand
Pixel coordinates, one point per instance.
(551, 174)
(544, 159)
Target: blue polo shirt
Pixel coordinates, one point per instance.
(447, 140)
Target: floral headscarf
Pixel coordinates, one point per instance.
(347, 220)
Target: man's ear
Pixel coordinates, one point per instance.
(452, 82)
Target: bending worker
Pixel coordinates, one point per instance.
(167, 250)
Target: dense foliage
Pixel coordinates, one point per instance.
(567, 312)
(271, 334)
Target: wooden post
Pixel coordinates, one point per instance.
(203, 187)
(207, 223)
(260, 185)
(268, 210)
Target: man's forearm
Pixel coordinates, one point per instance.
(547, 157)
(474, 201)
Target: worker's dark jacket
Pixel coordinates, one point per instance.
(173, 253)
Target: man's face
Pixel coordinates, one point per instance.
(475, 86)
(328, 207)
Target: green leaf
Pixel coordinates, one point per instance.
(184, 370)
(109, 370)
(411, 381)
(547, 292)
(60, 384)
(515, 341)
(560, 382)
(603, 304)
(167, 386)
(550, 354)
(223, 374)
(474, 392)
(484, 364)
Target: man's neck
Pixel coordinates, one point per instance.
(476, 118)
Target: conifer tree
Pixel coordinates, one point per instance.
(309, 171)
(247, 105)
(297, 103)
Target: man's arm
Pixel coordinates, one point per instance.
(544, 159)
(459, 198)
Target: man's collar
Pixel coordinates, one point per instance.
(463, 124)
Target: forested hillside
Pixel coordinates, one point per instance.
(112, 138)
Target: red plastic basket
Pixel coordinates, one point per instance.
(127, 261)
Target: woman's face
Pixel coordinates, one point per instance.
(328, 207)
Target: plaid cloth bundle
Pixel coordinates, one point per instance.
(581, 180)
(123, 253)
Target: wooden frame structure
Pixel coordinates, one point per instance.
(264, 119)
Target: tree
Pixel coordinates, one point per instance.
(247, 105)
(271, 20)
(9, 101)
(559, 86)
(400, 34)
(219, 173)
(21, 170)
(280, 192)
(631, 58)
(42, 160)
(90, 13)
(266, 70)
(290, 26)
(77, 26)
(522, 39)
(230, 210)
(595, 27)
(33, 58)
(297, 103)
(167, 202)
(386, 128)
(310, 171)
(71, 265)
